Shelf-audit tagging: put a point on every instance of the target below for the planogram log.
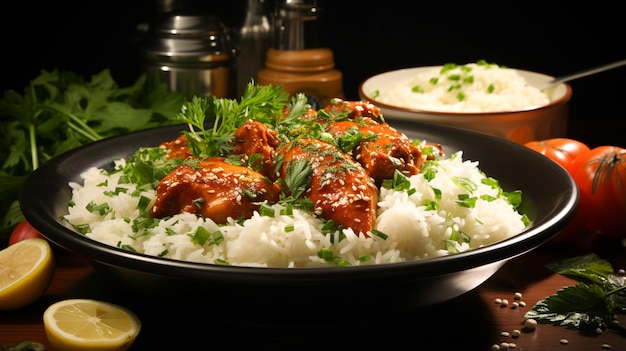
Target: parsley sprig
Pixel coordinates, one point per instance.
(591, 303)
(213, 121)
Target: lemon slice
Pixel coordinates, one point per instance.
(26, 270)
(84, 324)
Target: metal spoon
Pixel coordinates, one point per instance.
(583, 73)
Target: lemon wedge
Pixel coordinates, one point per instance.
(26, 270)
(84, 324)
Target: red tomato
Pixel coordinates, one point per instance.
(601, 177)
(23, 231)
(561, 150)
(564, 151)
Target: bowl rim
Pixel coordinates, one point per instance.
(46, 180)
(567, 95)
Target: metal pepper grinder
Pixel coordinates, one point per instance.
(190, 53)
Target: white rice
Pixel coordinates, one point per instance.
(413, 231)
(493, 89)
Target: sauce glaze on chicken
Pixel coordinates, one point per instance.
(344, 180)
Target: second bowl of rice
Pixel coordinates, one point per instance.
(505, 102)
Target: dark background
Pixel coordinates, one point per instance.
(366, 39)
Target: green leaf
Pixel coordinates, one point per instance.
(298, 177)
(578, 306)
(149, 165)
(591, 303)
(18, 145)
(162, 103)
(117, 116)
(349, 140)
(589, 268)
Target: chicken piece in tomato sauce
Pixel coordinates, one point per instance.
(340, 189)
(343, 109)
(213, 189)
(257, 142)
(382, 149)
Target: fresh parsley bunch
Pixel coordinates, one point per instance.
(59, 111)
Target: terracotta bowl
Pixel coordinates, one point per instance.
(535, 123)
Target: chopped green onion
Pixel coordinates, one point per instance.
(102, 209)
(465, 183)
(267, 211)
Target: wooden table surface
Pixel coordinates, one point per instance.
(472, 321)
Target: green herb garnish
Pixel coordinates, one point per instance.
(591, 303)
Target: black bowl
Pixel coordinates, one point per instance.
(550, 200)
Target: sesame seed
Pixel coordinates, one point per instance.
(564, 341)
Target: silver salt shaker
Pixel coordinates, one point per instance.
(191, 54)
